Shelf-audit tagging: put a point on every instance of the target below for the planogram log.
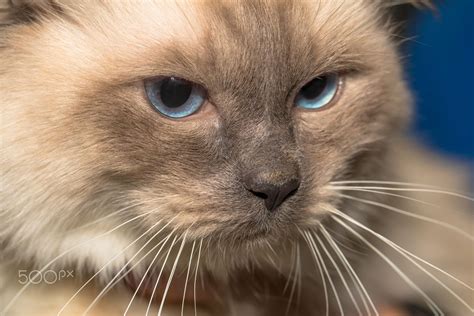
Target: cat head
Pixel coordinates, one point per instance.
(92, 131)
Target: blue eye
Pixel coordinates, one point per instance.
(318, 92)
(175, 97)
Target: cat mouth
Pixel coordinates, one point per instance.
(178, 290)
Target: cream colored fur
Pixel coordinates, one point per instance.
(75, 124)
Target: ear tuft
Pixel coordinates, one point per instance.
(419, 4)
(26, 11)
(397, 15)
(422, 4)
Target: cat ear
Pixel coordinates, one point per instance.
(398, 14)
(420, 4)
(401, 8)
(26, 11)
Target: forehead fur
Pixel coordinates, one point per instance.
(148, 37)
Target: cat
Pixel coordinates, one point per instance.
(252, 156)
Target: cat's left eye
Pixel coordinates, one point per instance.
(175, 97)
(318, 93)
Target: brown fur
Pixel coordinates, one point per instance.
(80, 140)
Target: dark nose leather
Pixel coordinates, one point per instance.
(273, 194)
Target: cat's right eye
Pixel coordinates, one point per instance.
(175, 97)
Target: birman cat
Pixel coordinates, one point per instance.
(220, 157)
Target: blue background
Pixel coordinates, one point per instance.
(441, 72)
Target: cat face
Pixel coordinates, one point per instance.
(83, 139)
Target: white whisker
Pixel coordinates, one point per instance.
(452, 277)
(173, 269)
(159, 275)
(269, 257)
(298, 293)
(403, 190)
(47, 265)
(403, 252)
(187, 276)
(397, 183)
(124, 275)
(328, 275)
(163, 244)
(295, 278)
(115, 213)
(119, 273)
(432, 305)
(104, 267)
(318, 263)
(292, 268)
(355, 278)
(195, 277)
(417, 216)
(395, 195)
(434, 266)
(339, 272)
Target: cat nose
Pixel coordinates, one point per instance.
(273, 194)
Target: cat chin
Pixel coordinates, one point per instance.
(118, 253)
(97, 249)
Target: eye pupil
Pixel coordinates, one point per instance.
(175, 92)
(174, 97)
(314, 88)
(318, 92)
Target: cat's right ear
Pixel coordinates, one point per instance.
(26, 11)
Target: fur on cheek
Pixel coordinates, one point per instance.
(80, 142)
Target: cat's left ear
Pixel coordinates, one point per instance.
(397, 9)
(27, 11)
(419, 4)
(399, 13)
